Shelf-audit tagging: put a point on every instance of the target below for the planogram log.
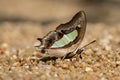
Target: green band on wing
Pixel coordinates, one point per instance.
(66, 39)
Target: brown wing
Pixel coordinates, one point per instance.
(78, 23)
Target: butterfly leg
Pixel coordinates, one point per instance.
(73, 54)
(66, 56)
(79, 51)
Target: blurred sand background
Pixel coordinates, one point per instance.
(22, 21)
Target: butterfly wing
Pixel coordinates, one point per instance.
(73, 31)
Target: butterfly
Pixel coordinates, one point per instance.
(64, 41)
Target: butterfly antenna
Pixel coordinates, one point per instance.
(88, 44)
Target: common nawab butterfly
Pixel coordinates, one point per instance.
(65, 40)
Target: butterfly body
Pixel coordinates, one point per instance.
(66, 38)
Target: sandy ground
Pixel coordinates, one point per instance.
(21, 22)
